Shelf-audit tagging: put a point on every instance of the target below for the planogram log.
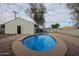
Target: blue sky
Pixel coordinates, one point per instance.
(56, 13)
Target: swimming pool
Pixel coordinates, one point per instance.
(39, 42)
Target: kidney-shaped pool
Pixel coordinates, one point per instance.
(39, 42)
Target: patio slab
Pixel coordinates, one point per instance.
(20, 50)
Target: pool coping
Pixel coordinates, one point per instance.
(20, 50)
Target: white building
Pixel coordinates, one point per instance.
(18, 26)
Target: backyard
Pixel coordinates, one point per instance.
(72, 42)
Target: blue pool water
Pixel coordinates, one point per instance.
(39, 42)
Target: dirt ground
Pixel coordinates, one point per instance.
(6, 43)
(72, 43)
(4, 36)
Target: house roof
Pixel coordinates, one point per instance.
(20, 18)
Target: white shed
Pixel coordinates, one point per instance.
(19, 26)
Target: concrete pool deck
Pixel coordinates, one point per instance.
(20, 50)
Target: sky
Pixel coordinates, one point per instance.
(56, 13)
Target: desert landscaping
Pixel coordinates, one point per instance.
(72, 43)
(39, 29)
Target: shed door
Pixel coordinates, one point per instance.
(18, 29)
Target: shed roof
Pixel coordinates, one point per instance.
(20, 18)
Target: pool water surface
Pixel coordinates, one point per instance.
(39, 42)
